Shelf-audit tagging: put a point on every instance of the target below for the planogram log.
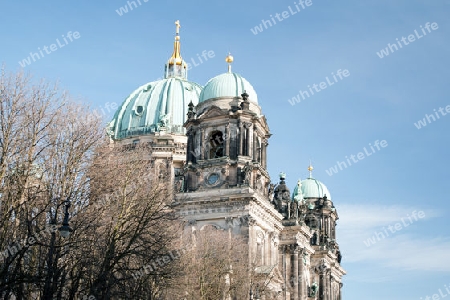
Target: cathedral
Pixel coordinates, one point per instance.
(213, 141)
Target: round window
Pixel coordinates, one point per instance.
(213, 178)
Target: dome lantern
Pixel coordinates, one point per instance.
(158, 106)
(176, 66)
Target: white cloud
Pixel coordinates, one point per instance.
(406, 249)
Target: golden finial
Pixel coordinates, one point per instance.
(310, 168)
(176, 56)
(229, 59)
(177, 23)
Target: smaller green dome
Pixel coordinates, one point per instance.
(312, 188)
(228, 85)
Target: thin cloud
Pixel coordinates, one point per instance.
(404, 249)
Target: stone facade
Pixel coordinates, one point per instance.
(219, 175)
(226, 184)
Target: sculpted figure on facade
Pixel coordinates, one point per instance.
(313, 289)
(282, 197)
(293, 209)
(306, 269)
(247, 173)
(271, 191)
(163, 121)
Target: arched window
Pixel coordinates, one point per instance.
(312, 222)
(216, 144)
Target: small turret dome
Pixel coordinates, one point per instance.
(228, 85)
(312, 188)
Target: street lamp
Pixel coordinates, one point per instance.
(65, 229)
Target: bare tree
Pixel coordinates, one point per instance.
(46, 144)
(137, 227)
(54, 152)
(215, 266)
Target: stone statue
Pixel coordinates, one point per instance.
(282, 197)
(163, 121)
(314, 239)
(247, 171)
(271, 189)
(179, 184)
(298, 194)
(293, 210)
(218, 151)
(306, 269)
(313, 289)
(339, 256)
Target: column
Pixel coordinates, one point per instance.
(241, 139)
(288, 268)
(226, 140)
(189, 146)
(252, 239)
(329, 284)
(255, 145)
(267, 249)
(329, 227)
(332, 295)
(281, 264)
(249, 139)
(295, 279)
(201, 145)
(264, 145)
(322, 285)
(301, 270)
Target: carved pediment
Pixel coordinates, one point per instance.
(263, 122)
(212, 111)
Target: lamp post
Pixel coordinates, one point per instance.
(64, 231)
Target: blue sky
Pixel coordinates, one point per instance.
(381, 99)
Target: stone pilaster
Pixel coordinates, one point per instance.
(190, 145)
(201, 143)
(255, 144)
(322, 281)
(226, 140)
(249, 141)
(282, 264)
(264, 145)
(241, 139)
(295, 278)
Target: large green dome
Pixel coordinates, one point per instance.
(160, 104)
(157, 104)
(228, 85)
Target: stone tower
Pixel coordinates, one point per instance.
(226, 185)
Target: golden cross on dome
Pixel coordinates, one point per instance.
(310, 168)
(229, 59)
(177, 23)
